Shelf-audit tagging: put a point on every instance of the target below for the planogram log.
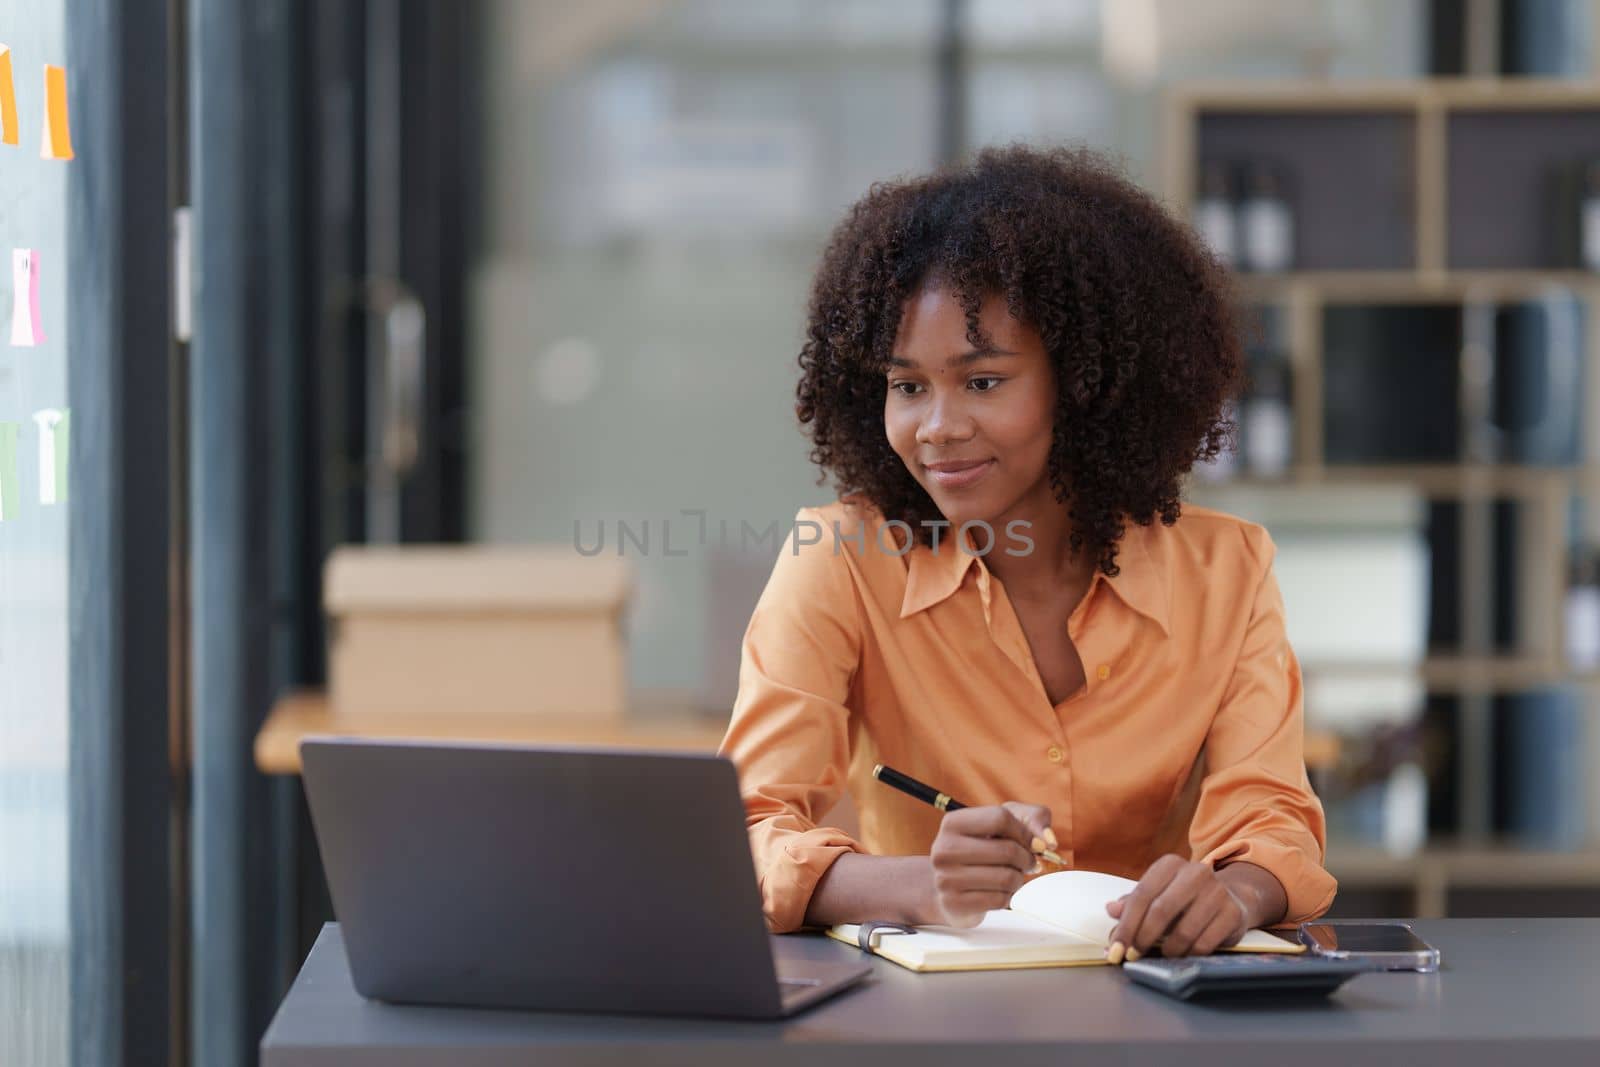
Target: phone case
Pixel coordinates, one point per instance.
(1426, 959)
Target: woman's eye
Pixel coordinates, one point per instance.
(905, 388)
(983, 385)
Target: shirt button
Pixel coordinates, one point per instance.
(1054, 753)
(1104, 672)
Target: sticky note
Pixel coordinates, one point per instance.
(27, 326)
(8, 471)
(53, 430)
(57, 133)
(8, 98)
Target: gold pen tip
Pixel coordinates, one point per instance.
(1039, 849)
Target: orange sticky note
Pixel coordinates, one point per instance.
(57, 134)
(8, 98)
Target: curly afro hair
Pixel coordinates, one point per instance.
(1136, 315)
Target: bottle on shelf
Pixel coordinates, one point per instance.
(1268, 421)
(1215, 218)
(1405, 810)
(1581, 610)
(1589, 217)
(1266, 220)
(1538, 766)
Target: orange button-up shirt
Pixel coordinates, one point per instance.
(1186, 738)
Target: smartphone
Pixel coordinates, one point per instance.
(1394, 946)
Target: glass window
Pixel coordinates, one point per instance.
(34, 501)
(656, 191)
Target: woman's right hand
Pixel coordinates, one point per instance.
(982, 856)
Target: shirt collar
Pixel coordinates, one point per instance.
(935, 574)
(1142, 584)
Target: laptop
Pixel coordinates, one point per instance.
(551, 879)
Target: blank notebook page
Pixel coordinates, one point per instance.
(1002, 937)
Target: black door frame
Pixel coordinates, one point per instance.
(126, 808)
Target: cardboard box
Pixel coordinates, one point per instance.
(476, 629)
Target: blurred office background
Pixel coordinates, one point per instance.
(508, 271)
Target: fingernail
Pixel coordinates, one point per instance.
(1036, 868)
(1039, 844)
(1114, 957)
(1134, 954)
(1050, 837)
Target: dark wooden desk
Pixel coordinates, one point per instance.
(1523, 991)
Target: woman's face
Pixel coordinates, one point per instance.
(973, 426)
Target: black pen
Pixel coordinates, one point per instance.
(929, 795)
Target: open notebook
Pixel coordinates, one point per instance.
(1057, 920)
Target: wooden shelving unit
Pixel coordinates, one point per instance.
(1452, 673)
(1441, 479)
(1432, 195)
(1422, 886)
(1415, 121)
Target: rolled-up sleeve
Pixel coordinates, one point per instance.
(1256, 803)
(789, 736)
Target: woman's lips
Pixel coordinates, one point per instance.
(961, 477)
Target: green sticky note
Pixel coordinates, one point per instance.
(9, 432)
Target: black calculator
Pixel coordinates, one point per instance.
(1260, 975)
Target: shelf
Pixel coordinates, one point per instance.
(1438, 480)
(1412, 287)
(1469, 94)
(1493, 866)
(1451, 674)
(1395, 182)
(1512, 181)
(1457, 673)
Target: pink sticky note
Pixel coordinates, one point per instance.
(27, 327)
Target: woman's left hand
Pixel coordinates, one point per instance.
(1189, 907)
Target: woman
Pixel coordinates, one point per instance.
(1008, 369)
